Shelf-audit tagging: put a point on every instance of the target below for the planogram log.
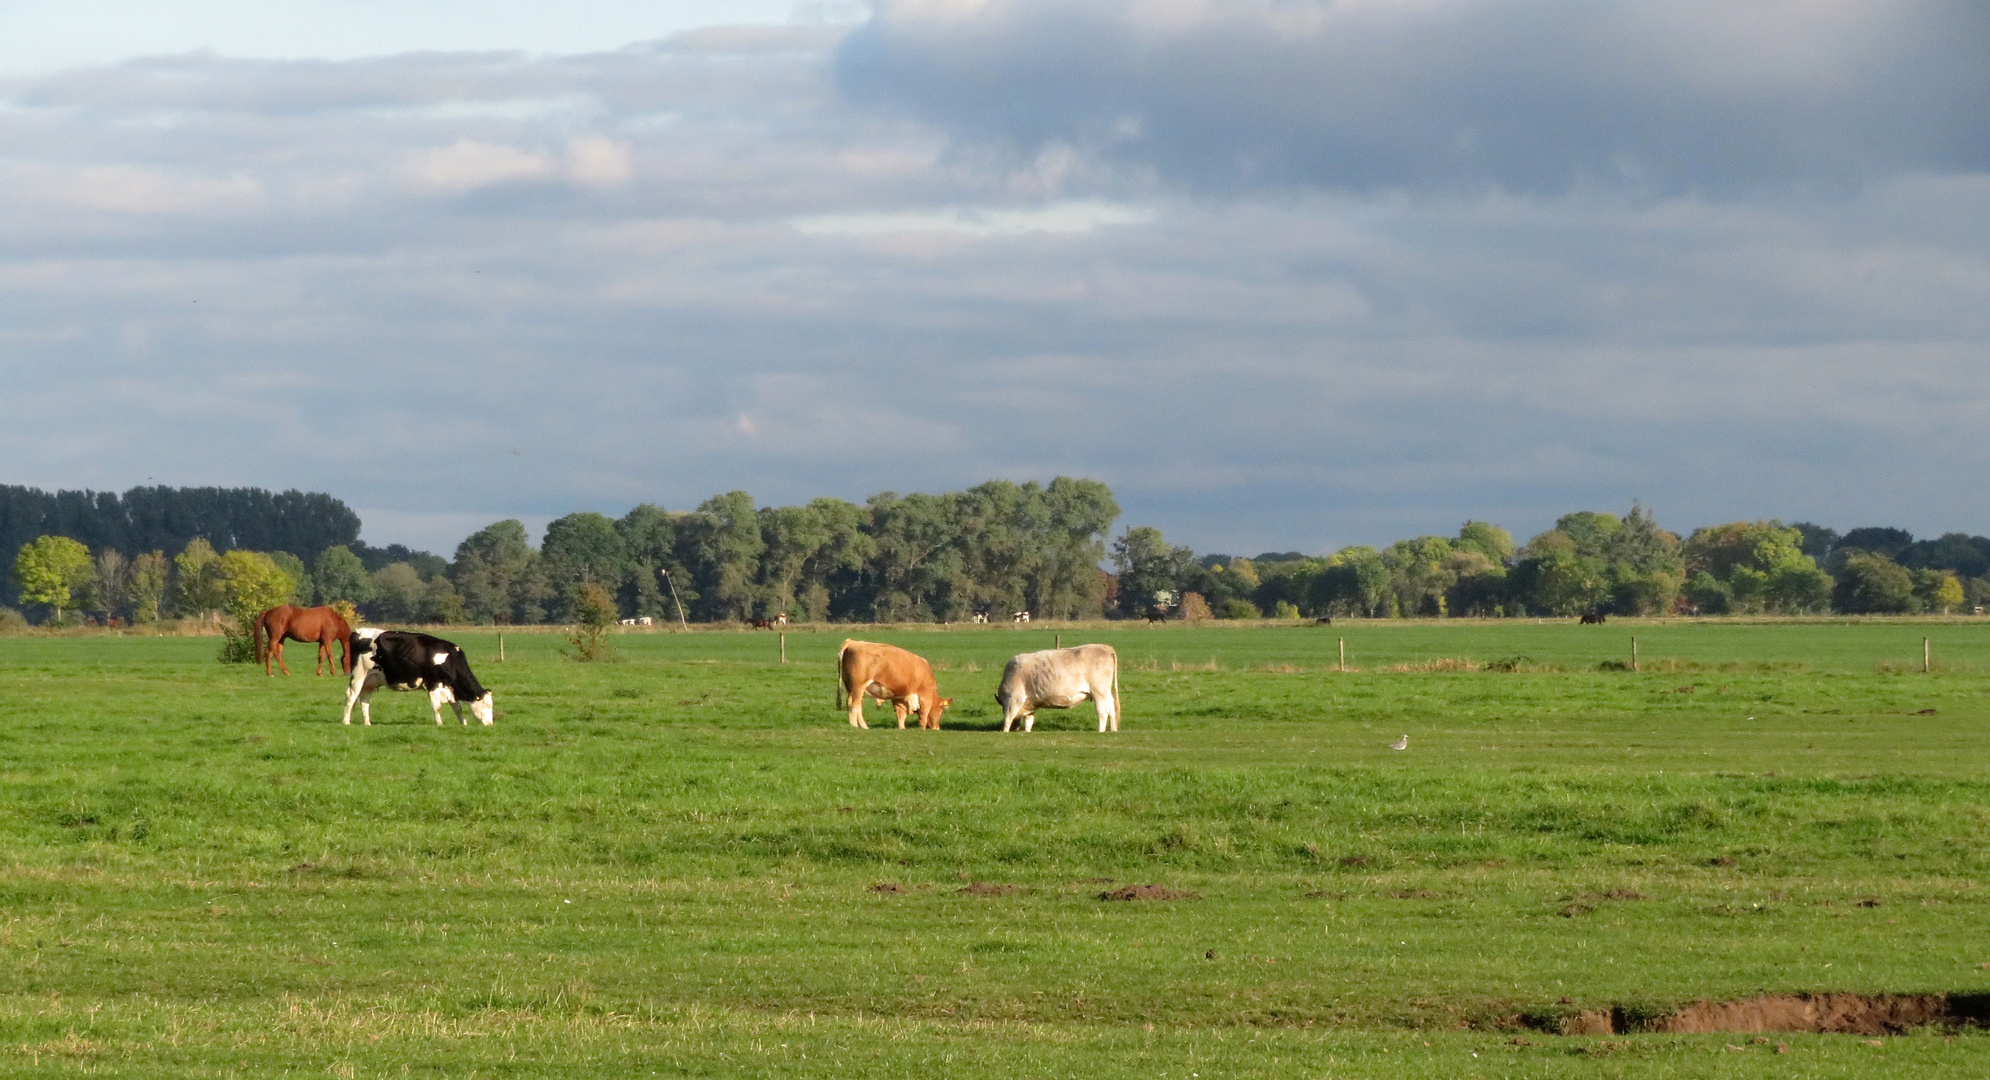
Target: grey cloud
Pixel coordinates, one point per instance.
(1662, 96)
(401, 281)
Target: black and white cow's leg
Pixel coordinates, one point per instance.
(359, 693)
(435, 699)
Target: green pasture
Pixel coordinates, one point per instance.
(682, 862)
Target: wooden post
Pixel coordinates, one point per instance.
(1927, 658)
(1343, 654)
(1634, 652)
(500, 646)
(1057, 641)
(784, 647)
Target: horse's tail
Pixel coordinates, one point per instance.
(259, 636)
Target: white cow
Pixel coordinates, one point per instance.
(1059, 679)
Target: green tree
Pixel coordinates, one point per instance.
(804, 547)
(1495, 543)
(1418, 578)
(1872, 584)
(1478, 583)
(1152, 572)
(49, 569)
(1799, 587)
(398, 591)
(197, 585)
(147, 586)
(497, 574)
(441, 603)
(1708, 594)
(723, 538)
(1937, 591)
(585, 547)
(649, 543)
(300, 578)
(340, 576)
(1352, 582)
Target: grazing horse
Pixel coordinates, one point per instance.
(320, 624)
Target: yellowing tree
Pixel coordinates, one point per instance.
(48, 568)
(251, 583)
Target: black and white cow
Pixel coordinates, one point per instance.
(404, 660)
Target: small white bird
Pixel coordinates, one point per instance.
(1400, 744)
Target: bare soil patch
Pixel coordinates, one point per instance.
(1837, 1014)
(1146, 892)
(989, 888)
(889, 887)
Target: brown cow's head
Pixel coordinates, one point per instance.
(930, 717)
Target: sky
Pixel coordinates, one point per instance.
(1286, 274)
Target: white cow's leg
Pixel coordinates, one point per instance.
(435, 704)
(366, 708)
(1029, 722)
(355, 690)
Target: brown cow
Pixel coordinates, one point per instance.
(888, 673)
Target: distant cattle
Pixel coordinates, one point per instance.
(1155, 615)
(1021, 616)
(781, 619)
(761, 624)
(1593, 618)
(888, 673)
(980, 616)
(403, 660)
(1059, 679)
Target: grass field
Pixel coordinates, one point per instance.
(683, 862)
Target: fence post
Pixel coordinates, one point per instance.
(500, 646)
(1927, 659)
(784, 647)
(1343, 655)
(1057, 641)
(1634, 652)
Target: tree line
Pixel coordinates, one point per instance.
(165, 519)
(994, 548)
(1588, 563)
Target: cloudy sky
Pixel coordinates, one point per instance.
(1287, 274)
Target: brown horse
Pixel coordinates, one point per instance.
(320, 624)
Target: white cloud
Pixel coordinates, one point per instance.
(1066, 217)
(599, 162)
(467, 164)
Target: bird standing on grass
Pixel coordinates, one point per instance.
(1400, 744)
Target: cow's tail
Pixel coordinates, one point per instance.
(843, 689)
(1118, 703)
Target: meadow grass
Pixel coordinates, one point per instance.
(683, 861)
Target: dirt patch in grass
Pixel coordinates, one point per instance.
(1836, 1014)
(989, 888)
(1146, 892)
(889, 887)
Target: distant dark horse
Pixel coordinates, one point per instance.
(320, 624)
(1593, 618)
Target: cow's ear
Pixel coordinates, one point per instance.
(945, 701)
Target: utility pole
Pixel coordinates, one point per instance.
(673, 599)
